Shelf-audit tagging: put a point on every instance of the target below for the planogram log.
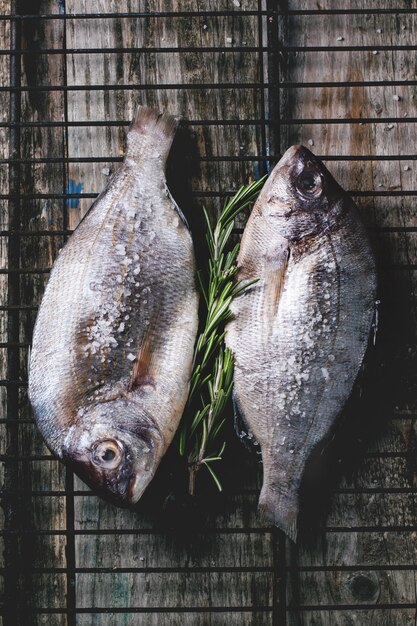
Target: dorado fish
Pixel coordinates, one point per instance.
(113, 342)
(300, 332)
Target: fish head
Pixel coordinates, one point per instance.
(115, 449)
(303, 195)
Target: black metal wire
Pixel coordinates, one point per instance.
(224, 609)
(70, 552)
(158, 609)
(231, 122)
(213, 86)
(343, 47)
(226, 13)
(247, 530)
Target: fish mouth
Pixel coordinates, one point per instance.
(136, 487)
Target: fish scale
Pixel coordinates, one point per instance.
(299, 334)
(113, 342)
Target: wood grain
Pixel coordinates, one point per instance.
(247, 558)
(380, 491)
(38, 252)
(355, 564)
(4, 215)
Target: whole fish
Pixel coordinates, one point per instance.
(299, 334)
(113, 342)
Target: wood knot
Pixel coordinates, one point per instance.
(364, 587)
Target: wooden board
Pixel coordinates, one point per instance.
(349, 570)
(83, 557)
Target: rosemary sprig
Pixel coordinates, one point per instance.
(211, 380)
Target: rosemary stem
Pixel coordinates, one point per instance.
(211, 379)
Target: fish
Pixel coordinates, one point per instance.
(300, 330)
(113, 341)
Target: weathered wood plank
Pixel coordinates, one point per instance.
(49, 619)
(219, 550)
(393, 617)
(357, 588)
(4, 223)
(158, 69)
(242, 618)
(39, 252)
(213, 548)
(182, 590)
(376, 508)
(238, 512)
(369, 549)
(188, 70)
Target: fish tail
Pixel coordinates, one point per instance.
(153, 130)
(279, 509)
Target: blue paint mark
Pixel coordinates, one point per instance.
(61, 7)
(257, 174)
(73, 187)
(268, 163)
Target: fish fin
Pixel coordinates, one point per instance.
(275, 273)
(142, 367)
(281, 511)
(28, 365)
(152, 129)
(242, 429)
(177, 208)
(270, 272)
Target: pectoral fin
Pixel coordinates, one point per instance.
(275, 272)
(143, 370)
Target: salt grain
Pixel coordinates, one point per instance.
(120, 249)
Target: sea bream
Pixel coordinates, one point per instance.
(300, 333)
(113, 342)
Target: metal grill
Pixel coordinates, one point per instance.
(249, 77)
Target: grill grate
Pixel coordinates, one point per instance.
(250, 78)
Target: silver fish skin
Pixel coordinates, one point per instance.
(299, 335)
(113, 341)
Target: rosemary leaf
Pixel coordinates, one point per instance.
(212, 376)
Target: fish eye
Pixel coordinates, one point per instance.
(309, 183)
(107, 454)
